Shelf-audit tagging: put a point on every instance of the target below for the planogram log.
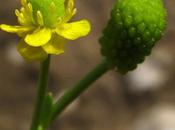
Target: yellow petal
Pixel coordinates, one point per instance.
(73, 30)
(39, 37)
(31, 53)
(55, 45)
(15, 29)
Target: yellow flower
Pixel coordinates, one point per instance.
(38, 38)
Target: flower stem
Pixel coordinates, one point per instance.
(41, 92)
(70, 95)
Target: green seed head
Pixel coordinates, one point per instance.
(132, 31)
(50, 9)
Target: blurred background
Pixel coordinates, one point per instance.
(141, 100)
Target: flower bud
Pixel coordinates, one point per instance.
(131, 33)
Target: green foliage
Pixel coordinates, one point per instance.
(132, 31)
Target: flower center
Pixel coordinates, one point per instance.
(50, 9)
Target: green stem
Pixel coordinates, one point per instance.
(41, 92)
(70, 95)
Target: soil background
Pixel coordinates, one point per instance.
(141, 100)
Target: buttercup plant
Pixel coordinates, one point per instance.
(44, 27)
(131, 33)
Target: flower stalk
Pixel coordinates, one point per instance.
(70, 95)
(41, 92)
(67, 98)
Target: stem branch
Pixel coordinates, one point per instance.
(70, 95)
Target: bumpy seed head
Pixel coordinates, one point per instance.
(50, 9)
(132, 31)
